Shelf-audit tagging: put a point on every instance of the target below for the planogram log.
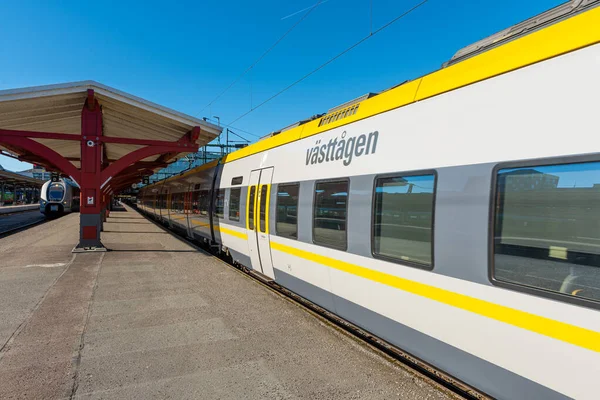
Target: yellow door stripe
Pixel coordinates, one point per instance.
(267, 205)
(572, 334)
(255, 206)
(222, 230)
(248, 207)
(231, 232)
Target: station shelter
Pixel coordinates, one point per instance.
(18, 189)
(99, 137)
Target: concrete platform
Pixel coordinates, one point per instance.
(156, 318)
(19, 208)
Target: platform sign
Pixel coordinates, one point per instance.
(146, 180)
(54, 177)
(90, 201)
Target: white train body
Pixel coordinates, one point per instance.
(57, 198)
(499, 303)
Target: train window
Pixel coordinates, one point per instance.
(287, 210)
(547, 228)
(203, 202)
(234, 204)
(220, 204)
(403, 218)
(251, 197)
(329, 215)
(263, 208)
(55, 192)
(177, 202)
(195, 204)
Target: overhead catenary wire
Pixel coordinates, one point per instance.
(371, 34)
(236, 80)
(236, 128)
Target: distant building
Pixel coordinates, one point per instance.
(37, 172)
(526, 179)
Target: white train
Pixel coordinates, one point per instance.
(57, 198)
(456, 216)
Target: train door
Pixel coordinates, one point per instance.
(168, 208)
(187, 210)
(257, 217)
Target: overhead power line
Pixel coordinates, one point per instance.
(233, 127)
(332, 59)
(241, 130)
(236, 80)
(299, 11)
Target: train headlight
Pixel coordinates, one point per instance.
(64, 202)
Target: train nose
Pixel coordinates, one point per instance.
(54, 208)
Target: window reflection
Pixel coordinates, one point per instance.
(547, 228)
(287, 210)
(329, 219)
(403, 223)
(220, 204)
(234, 204)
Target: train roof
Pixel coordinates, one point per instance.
(184, 174)
(563, 29)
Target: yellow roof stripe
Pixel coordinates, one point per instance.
(186, 174)
(571, 34)
(572, 334)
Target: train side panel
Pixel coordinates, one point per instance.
(510, 117)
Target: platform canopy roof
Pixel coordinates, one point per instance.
(12, 178)
(57, 108)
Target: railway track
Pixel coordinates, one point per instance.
(16, 222)
(438, 377)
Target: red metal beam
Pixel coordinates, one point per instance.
(166, 157)
(91, 101)
(137, 169)
(183, 143)
(39, 135)
(44, 152)
(115, 168)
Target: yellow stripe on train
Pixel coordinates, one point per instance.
(568, 333)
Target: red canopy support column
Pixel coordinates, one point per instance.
(91, 210)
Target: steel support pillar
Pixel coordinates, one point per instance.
(90, 216)
(2, 194)
(97, 179)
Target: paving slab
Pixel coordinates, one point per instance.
(156, 318)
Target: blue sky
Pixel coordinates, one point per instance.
(182, 54)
